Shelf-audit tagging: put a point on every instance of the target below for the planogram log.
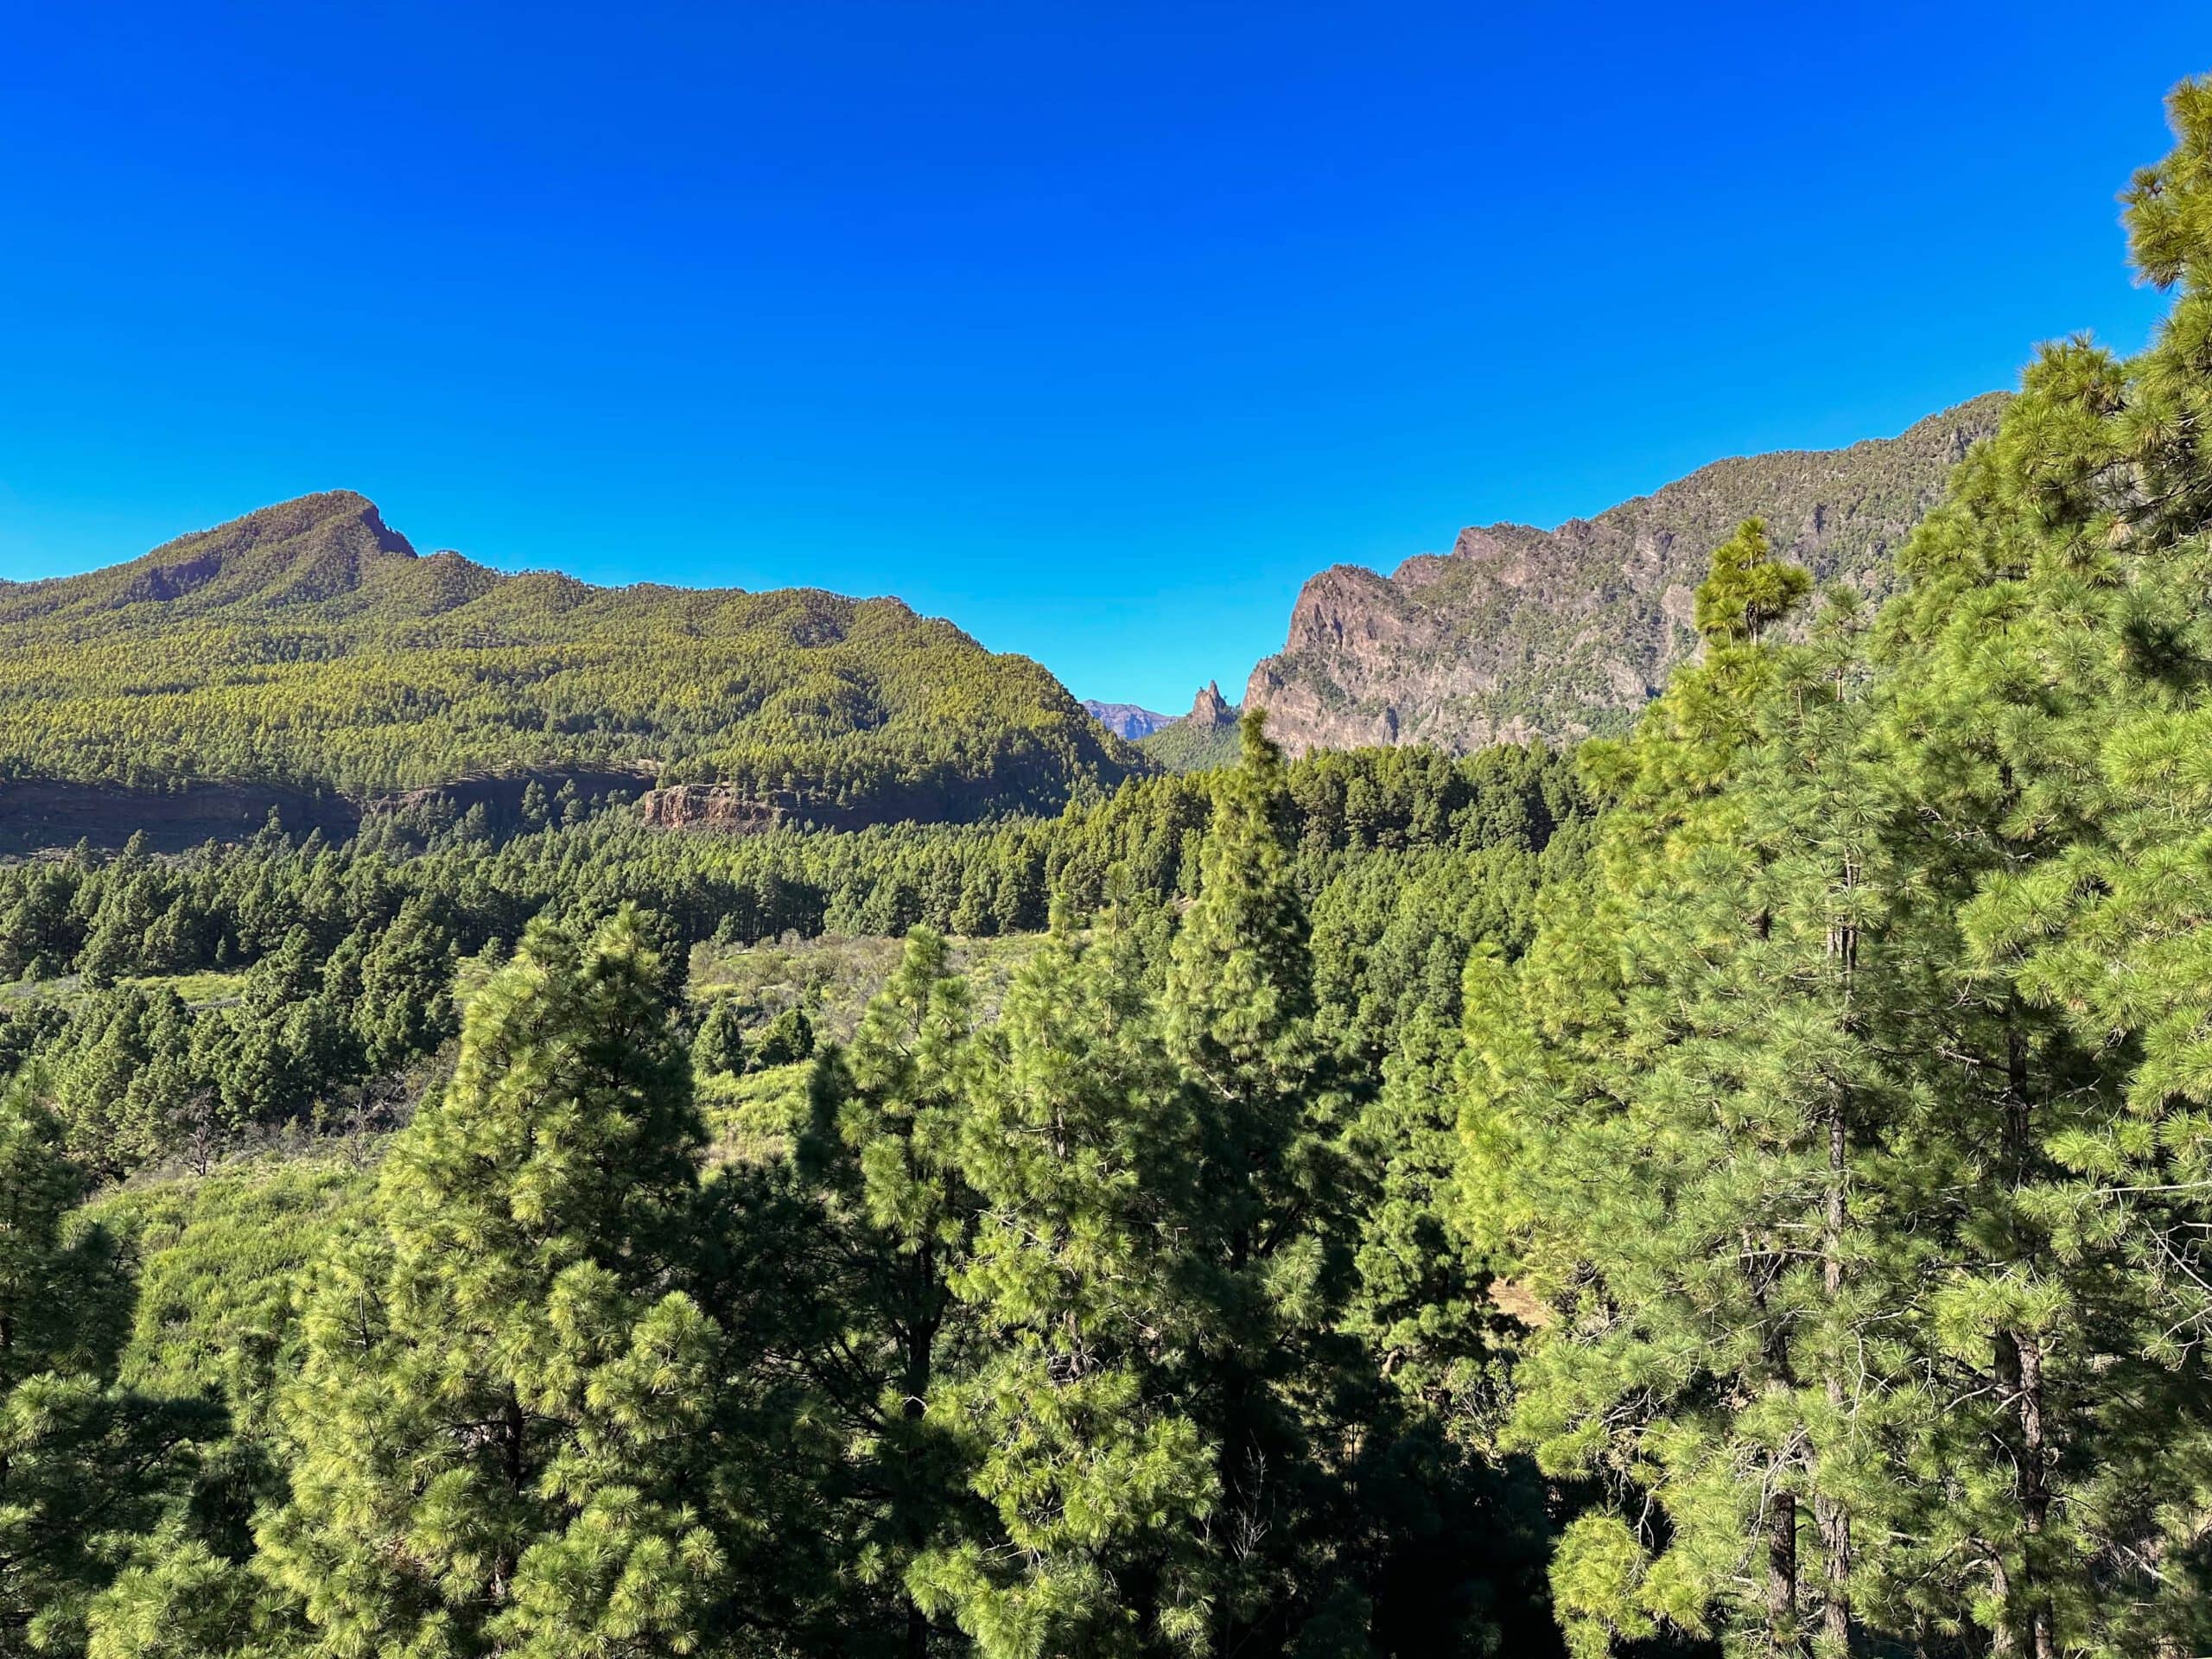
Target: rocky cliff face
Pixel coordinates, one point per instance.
(1520, 632)
(727, 809)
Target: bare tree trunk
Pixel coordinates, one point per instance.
(1785, 1636)
(2019, 1364)
(2035, 1482)
(1830, 1513)
(2004, 1642)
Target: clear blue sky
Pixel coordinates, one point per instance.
(1095, 328)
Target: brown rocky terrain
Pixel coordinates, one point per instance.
(1520, 632)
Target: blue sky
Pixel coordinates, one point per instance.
(1095, 328)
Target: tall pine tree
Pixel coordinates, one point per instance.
(505, 1431)
(1077, 1140)
(1271, 1235)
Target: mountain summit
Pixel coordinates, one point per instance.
(1210, 708)
(1520, 633)
(308, 551)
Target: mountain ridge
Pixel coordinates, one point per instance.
(1521, 633)
(1128, 720)
(307, 646)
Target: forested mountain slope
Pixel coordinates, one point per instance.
(306, 647)
(1520, 633)
(689, 1152)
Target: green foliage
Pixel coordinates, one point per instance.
(896, 1219)
(1887, 981)
(495, 1425)
(1075, 1144)
(963, 1384)
(306, 646)
(1749, 589)
(1269, 1258)
(86, 1466)
(785, 1040)
(1189, 746)
(295, 983)
(720, 1045)
(1744, 1190)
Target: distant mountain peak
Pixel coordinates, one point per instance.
(1127, 720)
(307, 646)
(1205, 738)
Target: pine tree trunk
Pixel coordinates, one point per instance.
(2019, 1364)
(2004, 1642)
(920, 1359)
(1785, 1636)
(2034, 1484)
(1833, 1519)
(1830, 1513)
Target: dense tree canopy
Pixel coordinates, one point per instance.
(1740, 1190)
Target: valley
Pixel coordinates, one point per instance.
(1648, 1095)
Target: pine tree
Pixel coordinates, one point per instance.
(1455, 1537)
(1075, 1140)
(893, 1225)
(1747, 590)
(1649, 1102)
(404, 1006)
(505, 1432)
(2043, 689)
(784, 1040)
(720, 1045)
(1271, 1247)
(86, 1467)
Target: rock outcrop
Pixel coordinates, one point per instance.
(1203, 738)
(1210, 708)
(1521, 634)
(727, 809)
